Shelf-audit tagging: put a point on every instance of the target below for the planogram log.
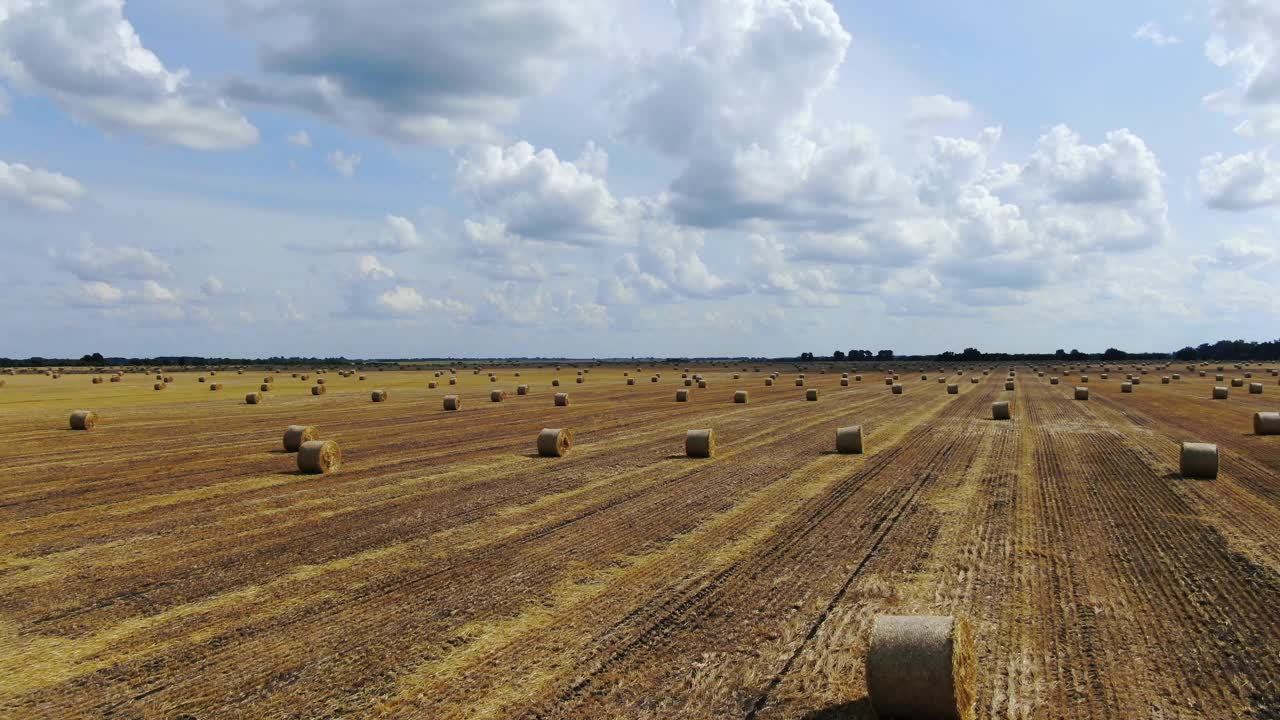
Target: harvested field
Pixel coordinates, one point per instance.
(174, 562)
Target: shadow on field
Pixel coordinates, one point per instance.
(856, 710)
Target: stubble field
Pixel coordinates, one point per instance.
(173, 563)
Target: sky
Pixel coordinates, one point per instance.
(595, 178)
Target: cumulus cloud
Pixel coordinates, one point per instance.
(1244, 251)
(447, 76)
(402, 300)
(1240, 182)
(299, 139)
(343, 163)
(374, 290)
(734, 103)
(100, 294)
(1245, 41)
(211, 287)
(91, 262)
(1151, 32)
(154, 292)
(537, 195)
(922, 110)
(88, 58)
(38, 189)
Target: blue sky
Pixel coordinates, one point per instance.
(700, 177)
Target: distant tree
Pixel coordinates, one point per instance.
(971, 354)
(1114, 354)
(1060, 353)
(1186, 353)
(806, 356)
(860, 354)
(837, 355)
(1075, 354)
(948, 356)
(885, 355)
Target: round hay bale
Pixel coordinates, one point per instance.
(896, 388)
(857, 378)
(520, 389)
(264, 387)
(83, 419)
(1220, 393)
(159, 386)
(214, 387)
(562, 399)
(1266, 423)
(1105, 376)
(924, 378)
(497, 395)
(1255, 388)
(554, 442)
(296, 435)
(1237, 382)
(1177, 376)
(580, 379)
(1008, 385)
(1136, 380)
(318, 389)
(379, 396)
(1084, 378)
(319, 457)
(1198, 460)
(493, 378)
(200, 379)
(844, 382)
(921, 666)
(953, 388)
(556, 383)
(740, 397)
(432, 385)
(700, 443)
(253, 398)
(1053, 381)
(888, 381)
(974, 380)
(768, 382)
(452, 402)
(799, 382)
(1164, 380)
(267, 379)
(811, 394)
(849, 440)
(1082, 393)
(319, 380)
(682, 395)
(1219, 377)
(688, 382)
(1000, 410)
(631, 381)
(362, 377)
(653, 379)
(1126, 387)
(115, 378)
(942, 380)
(702, 384)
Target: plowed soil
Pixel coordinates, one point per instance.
(173, 563)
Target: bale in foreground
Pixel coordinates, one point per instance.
(83, 419)
(700, 443)
(296, 435)
(740, 396)
(1082, 393)
(554, 442)
(1266, 423)
(253, 398)
(452, 402)
(319, 456)
(378, 396)
(849, 440)
(1000, 410)
(1198, 460)
(921, 666)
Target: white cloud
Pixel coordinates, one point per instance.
(93, 262)
(1151, 32)
(38, 189)
(6, 104)
(923, 110)
(371, 267)
(402, 300)
(447, 76)
(1244, 251)
(1240, 182)
(154, 292)
(212, 286)
(537, 195)
(299, 139)
(98, 293)
(344, 164)
(396, 234)
(88, 58)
